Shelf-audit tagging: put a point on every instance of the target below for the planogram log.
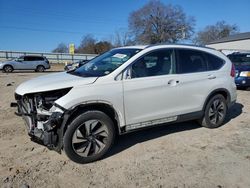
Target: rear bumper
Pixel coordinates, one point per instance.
(47, 66)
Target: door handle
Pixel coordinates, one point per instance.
(210, 77)
(173, 82)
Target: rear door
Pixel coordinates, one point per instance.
(198, 77)
(35, 61)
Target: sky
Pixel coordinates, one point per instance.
(40, 25)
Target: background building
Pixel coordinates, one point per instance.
(234, 43)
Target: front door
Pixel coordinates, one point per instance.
(151, 92)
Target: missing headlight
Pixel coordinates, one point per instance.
(45, 100)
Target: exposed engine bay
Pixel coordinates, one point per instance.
(42, 116)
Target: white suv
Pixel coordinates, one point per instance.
(123, 90)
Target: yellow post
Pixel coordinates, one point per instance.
(71, 48)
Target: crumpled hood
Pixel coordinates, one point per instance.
(53, 81)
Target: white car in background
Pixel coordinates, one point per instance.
(124, 90)
(28, 62)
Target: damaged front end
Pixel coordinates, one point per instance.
(43, 117)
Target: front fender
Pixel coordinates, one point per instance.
(111, 94)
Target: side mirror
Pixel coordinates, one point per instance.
(19, 60)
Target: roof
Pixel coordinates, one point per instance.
(236, 37)
(136, 47)
(164, 44)
(180, 45)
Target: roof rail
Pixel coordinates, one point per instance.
(180, 44)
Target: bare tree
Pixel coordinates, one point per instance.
(102, 47)
(214, 32)
(87, 45)
(156, 23)
(122, 38)
(61, 48)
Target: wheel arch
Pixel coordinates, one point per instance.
(8, 65)
(221, 91)
(40, 65)
(102, 106)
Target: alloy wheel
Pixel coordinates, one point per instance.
(216, 111)
(8, 69)
(90, 138)
(40, 68)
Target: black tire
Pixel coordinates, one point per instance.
(8, 68)
(89, 137)
(40, 68)
(215, 112)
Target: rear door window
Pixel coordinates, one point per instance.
(36, 58)
(33, 58)
(39, 58)
(190, 61)
(28, 58)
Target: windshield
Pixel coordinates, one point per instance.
(105, 63)
(240, 59)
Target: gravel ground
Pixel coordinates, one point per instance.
(177, 155)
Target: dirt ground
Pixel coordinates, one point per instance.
(178, 155)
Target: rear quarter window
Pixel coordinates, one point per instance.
(214, 62)
(40, 58)
(37, 58)
(28, 58)
(190, 61)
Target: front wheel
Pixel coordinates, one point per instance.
(89, 137)
(215, 112)
(8, 68)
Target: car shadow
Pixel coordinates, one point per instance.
(243, 88)
(126, 141)
(234, 112)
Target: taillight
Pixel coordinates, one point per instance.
(232, 71)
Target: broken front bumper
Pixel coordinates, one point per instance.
(47, 133)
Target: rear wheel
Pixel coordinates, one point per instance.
(89, 137)
(8, 68)
(215, 112)
(40, 68)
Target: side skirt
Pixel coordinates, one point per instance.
(162, 121)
